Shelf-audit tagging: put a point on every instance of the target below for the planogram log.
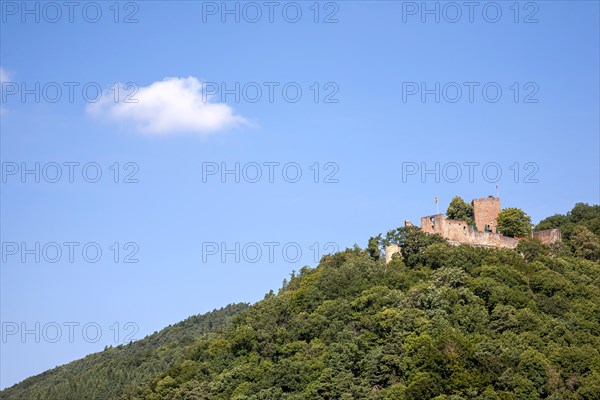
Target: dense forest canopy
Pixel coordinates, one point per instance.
(441, 322)
(109, 374)
(580, 230)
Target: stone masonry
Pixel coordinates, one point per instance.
(486, 210)
(459, 232)
(548, 236)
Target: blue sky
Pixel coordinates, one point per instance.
(365, 133)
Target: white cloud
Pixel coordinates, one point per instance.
(173, 105)
(4, 77)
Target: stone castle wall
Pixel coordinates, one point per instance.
(486, 210)
(459, 232)
(390, 250)
(548, 236)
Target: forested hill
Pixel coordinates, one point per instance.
(112, 372)
(441, 322)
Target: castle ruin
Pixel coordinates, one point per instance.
(483, 233)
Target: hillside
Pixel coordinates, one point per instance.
(110, 373)
(441, 322)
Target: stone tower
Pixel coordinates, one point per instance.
(486, 210)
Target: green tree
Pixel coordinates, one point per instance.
(412, 241)
(554, 221)
(534, 367)
(583, 212)
(585, 243)
(460, 210)
(374, 247)
(591, 387)
(587, 215)
(532, 249)
(513, 222)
